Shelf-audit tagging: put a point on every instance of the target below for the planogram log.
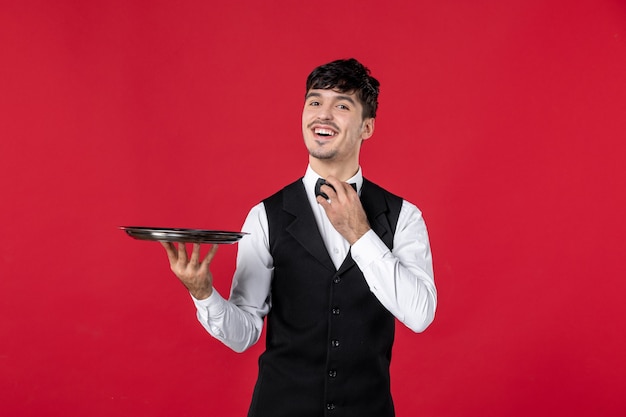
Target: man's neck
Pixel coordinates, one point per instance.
(342, 172)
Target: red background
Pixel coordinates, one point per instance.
(503, 121)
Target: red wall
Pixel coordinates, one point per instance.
(503, 121)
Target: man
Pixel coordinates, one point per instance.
(331, 266)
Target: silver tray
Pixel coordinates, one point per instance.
(166, 234)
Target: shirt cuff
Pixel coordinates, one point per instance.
(367, 249)
(212, 306)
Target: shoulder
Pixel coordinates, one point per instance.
(405, 204)
(287, 188)
(371, 186)
(374, 191)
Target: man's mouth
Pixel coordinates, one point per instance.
(324, 132)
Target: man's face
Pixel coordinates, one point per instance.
(333, 126)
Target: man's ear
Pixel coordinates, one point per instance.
(368, 128)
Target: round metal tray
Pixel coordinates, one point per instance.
(165, 234)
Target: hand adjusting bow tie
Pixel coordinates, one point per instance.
(322, 181)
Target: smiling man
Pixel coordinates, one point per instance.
(331, 261)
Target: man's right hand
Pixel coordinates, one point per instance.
(193, 273)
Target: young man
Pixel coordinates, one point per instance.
(331, 264)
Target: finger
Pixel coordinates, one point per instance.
(171, 251)
(328, 190)
(209, 256)
(338, 187)
(326, 204)
(182, 252)
(195, 254)
(349, 188)
(344, 190)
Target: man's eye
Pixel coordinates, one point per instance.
(343, 107)
(314, 103)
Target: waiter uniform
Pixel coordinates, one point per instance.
(329, 339)
(330, 307)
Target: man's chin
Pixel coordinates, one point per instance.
(324, 156)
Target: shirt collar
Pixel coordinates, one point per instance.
(310, 178)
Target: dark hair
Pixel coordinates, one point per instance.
(347, 76)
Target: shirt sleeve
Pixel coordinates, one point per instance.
(238, 321)
(401, 279)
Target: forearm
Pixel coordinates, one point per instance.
(232, 325)
(238, 322)
(402, 280)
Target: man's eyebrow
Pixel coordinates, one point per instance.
(346, 98)
(340, 97)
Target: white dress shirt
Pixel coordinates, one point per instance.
(401, 279)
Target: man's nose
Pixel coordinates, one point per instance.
(324, 112)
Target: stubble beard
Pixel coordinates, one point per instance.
(323, 154)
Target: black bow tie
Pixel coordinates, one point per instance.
(322, 181)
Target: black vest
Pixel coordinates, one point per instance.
(329, 340)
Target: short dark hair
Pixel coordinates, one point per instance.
(347, 76)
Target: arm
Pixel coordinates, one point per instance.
(403, 279)
(237, 322)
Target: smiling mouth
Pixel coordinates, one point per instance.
(323, 132)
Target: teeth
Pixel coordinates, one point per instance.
(324, 132)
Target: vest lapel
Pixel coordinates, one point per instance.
(375, 207)
(303, 228)
(347, 263)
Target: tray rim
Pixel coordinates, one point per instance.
(181, 230)
(170, 234)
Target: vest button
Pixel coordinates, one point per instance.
(332, 373)
(336, 311)
(330, 406)
(334, 343)
(337, 279)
